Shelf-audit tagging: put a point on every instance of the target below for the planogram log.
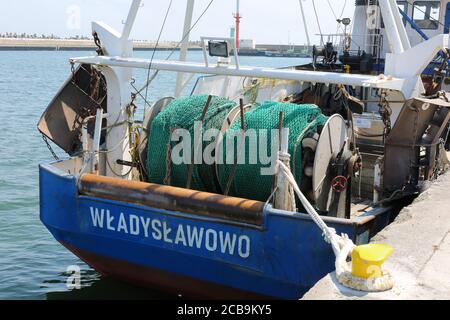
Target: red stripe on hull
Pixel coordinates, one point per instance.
(158, 279)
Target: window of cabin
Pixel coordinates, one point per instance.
(402, 5)
(426, 14)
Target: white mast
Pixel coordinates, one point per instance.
(115, 43)
(400, 26)
(308, 41)
(396, 33)
(185, 44)
(130, 19)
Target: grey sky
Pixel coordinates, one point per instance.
(266, 21)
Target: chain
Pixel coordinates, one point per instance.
(50, 148)
(415, 136)
(167, 178)
(93, 97)
(439, 74)
(443, 96)
(76, 123)
(385, 112)
(98, 43)
(447, 136)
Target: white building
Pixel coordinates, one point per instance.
(247, 44)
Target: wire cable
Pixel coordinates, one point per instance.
(154, 49)
(149, 80)
(332, 10)
(318, 21)
(343, 9)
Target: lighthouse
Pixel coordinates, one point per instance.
(237, 16)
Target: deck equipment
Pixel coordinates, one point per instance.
(365, 273)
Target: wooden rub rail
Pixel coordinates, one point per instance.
(173, 199)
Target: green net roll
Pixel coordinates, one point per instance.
(182, 113)
(248, 182)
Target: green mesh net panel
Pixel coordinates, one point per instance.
(248, 181)
(302, 120)
(182, 113)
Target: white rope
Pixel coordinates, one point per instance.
(342, 245)
(285, 158)
(329, 234)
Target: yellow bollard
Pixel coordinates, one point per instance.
(347, 68)
(368, 259)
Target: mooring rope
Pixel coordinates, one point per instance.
(342, 245)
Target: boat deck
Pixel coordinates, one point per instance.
(360, 207)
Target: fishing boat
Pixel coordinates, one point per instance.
(361, 128)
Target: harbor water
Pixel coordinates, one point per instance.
(32, 264)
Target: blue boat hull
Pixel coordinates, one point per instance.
(193, 255)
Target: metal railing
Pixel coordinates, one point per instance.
(371, 43)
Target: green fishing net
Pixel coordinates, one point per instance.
(182, 113)
(245, 180)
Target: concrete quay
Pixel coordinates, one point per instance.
(420, 264)
(73, 44)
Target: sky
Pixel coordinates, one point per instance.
(265, 21)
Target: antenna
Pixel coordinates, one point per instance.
(237, 16)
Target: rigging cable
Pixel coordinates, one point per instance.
(150, 79)
(341, 15)
(155, 74)
(332, 10)
(343, 9)
(154, 49)
(318, 22)
(190, 29)
(338, 27)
